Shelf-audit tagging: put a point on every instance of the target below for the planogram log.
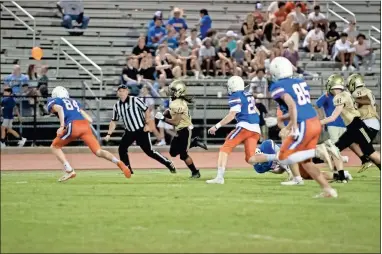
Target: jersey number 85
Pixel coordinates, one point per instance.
(303, 96)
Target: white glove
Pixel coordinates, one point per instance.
(159, 116)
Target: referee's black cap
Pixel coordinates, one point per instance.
(8, 89)
(122, 86)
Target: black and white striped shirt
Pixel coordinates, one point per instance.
(131, 112)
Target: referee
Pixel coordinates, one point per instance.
(135, 117)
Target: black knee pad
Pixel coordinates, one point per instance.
(183, 156)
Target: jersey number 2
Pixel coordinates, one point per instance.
(303, 96)
(252, 106)
(71, 105)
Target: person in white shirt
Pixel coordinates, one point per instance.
(300, 19)
(194, 42)
(315, 42)
(317, 18)
(344, 52)
(363, 53)
(272, 8)
(352, 32)
(73, 14)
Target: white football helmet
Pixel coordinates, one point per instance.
(281, 67)
(60, 92)
(235, 84)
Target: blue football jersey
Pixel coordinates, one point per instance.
(298, 89)
(247, 114)
(71, 108)
(268, 147)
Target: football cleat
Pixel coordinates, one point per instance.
(125, 169)
(331, 193)
(293, 182)
(171, 167)
(196, 142)
(67, 176)
(365, 166)
(195, 175)
(216, 180)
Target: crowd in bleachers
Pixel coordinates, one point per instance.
(281, 30)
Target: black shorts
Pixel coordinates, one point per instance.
(372, 133)
(181, 142)
(356, 132)
(188, 65)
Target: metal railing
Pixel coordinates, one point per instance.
(33, 30)
(330, 11)
(372, 38)
(96, 114)
(60, 50)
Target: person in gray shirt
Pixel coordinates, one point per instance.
(188, 59)
(207, 55)
(238, 56)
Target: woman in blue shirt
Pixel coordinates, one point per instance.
(177, 21)
(205, 23)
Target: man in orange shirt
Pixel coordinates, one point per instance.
(290, 6)
(281, 14)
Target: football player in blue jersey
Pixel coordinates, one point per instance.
(74, 124)
(243, 109)
(304, 128)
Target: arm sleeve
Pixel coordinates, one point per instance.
(51, 104)
(277, 92)
(140, 104)
(234, 104)
(115, 113)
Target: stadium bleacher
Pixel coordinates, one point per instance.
(114, 29)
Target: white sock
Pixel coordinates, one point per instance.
(271, 157)
(221, 171)
(297, 179)
(115, 160)
(67, 167)
(287, 169)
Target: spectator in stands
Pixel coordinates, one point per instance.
(141, 50)
(363, 53)
(205, 23)
(187, 59)
(258, 15)
(170, 38)
(231, 40)
(294, 37)
(249, 25)
(300, 18)
(238, 58)
(16, 80)
(269, 30)
(317, 18)
(155, 33)
(344, 52)
(177, 21)
(177, 72)
(193, 41)
(27, 101)
(281, 13)
(352, 32)
(211, 34)
(286, 26)
(259, 84)
(73, 14)
(291, 6)
(315, 42)
(292, 55)
(257, 63)
(163, 62)
(147, 70)
(251, 43)
(272, 8)
(207, 55)
(223, 56)
(130, 77)
(32, 74)
(332, 36)
(158, 14)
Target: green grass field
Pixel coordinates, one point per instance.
(101, 211)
